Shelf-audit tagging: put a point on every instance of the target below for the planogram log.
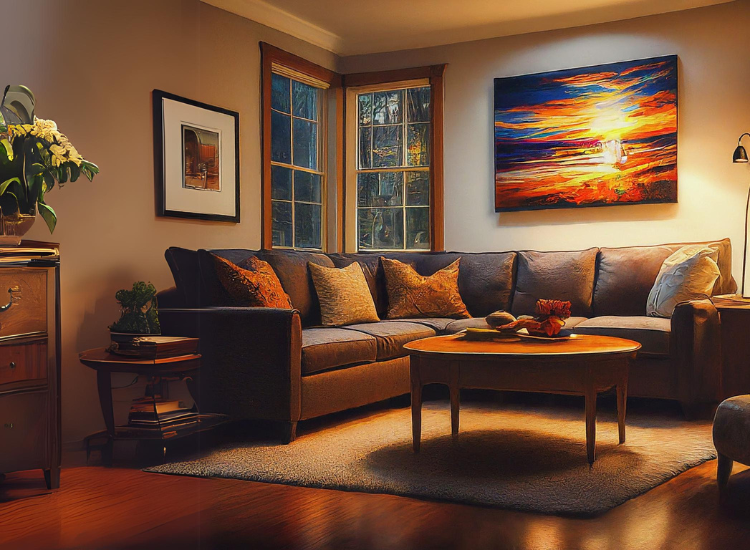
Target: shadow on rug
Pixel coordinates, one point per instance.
(505, 457)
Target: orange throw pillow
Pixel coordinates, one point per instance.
(413, 295)
(254, 285)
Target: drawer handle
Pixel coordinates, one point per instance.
(12, 365)
(11, 290)
(9, 425)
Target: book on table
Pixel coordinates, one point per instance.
(147, 413)
(152, 347)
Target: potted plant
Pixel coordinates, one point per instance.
(34, 156)
(138, 312)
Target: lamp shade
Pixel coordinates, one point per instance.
(740, 155)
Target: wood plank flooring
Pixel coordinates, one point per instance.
(125, 508)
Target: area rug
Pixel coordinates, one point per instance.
(514, 457)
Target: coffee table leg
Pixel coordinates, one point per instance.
(455, 397)
(591, 423)
(622, 400)
(416, 402)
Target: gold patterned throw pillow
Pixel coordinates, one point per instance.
(343, 294)
(413, 295)
(254, 284)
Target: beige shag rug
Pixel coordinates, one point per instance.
(515, 457)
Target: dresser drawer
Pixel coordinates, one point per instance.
(23, 362)
(28, 310)
(23, 431)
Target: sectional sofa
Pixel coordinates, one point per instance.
(280, 365)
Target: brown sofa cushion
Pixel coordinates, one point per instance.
(391, 336)
(411, 295)
(438, 324)
(328, 348)
(652, 333)
(555, 276)
(291, 267)
(626, 275)
(251, 284)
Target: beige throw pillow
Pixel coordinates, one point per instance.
(688, 274)
(344, 296)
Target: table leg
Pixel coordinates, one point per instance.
(455, 397)
(416, 402)
(591, 423)
(622, 400)
(104, 385)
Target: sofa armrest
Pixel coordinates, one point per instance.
(251, 359)
(696, 350)
(169, 298)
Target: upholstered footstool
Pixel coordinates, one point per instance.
(732, 435)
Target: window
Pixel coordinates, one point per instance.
(295, 198)
(371, 180)
(297, 178)
(394, 164)
(393, 169)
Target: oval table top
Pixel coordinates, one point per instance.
(577, 344)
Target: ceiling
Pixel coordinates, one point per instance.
(351, 27)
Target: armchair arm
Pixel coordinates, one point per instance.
(251, 359)
(696, 351)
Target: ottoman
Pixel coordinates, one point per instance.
(732, 435)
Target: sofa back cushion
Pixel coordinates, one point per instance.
(291, 267)
(556, 276)
(626, 275)
(184, 265)
(485, 279)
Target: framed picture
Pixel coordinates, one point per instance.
(197, 159)
(593, 136)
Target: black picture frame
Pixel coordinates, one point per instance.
(158, 97)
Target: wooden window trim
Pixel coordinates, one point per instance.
(270, 56)
(435, 74)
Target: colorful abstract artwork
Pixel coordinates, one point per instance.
(593, 136)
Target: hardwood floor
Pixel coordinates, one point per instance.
(100, 507)
(123, 507)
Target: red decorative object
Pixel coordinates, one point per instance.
(550, 319)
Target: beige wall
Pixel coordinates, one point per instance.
(92, 66)
(714, 108)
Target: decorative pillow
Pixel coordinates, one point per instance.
(253, 283)
(413, 295)
(343, 294)
(688, 274)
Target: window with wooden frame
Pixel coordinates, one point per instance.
(295, 138)
(394, 161)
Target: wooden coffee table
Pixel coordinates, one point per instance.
(582, 365)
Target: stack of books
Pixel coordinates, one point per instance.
(161, 416)
(152, 347)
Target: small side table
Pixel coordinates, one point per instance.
(735, 344)
(105, 363)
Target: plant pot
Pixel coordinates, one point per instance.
(14, 227)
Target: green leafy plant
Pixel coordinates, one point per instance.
(34, 157)
(138, 310)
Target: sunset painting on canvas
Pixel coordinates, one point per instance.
(592, 136)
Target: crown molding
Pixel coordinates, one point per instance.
(264, 13)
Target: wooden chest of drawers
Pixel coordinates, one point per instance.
(30, 360)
